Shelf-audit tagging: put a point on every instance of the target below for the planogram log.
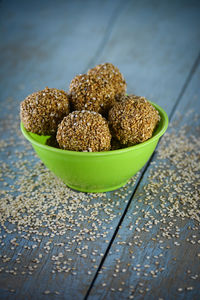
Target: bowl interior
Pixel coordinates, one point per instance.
(40, 140)
(97, 171)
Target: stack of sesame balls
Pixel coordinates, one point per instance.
(95, 115)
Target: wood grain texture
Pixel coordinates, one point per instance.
(43, 45)
(155, 45)
(48, 44)
(140, 253)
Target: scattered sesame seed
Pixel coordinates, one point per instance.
(189, 288)
(53, 210)
(57, 293)
(47, 292)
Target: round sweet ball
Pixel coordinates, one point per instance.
(133, 120)
(42, 111)
(87, 92)
(84, 131)
(112, 75)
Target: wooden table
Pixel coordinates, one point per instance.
(141, 241)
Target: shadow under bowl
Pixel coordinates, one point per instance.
(97, 171)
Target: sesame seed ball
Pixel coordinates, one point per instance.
(84, 131)
(42, 111)
(112, 75)
(133, 120)
(87, 92)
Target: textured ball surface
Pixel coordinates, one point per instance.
(133, 120)
(88, 92)
(84, 131)
(42, 111)
(112, 75)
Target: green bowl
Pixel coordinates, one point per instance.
(97, 171)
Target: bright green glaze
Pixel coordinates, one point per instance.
(97, 171)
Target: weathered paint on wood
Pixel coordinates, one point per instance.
(157, 45)
(154, 44)
(178, 256)
(48, 44)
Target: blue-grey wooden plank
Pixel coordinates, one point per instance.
(41, 44)
(178, 256)
(46, 43)
(154, 43)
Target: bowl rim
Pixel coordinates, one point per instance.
(162, 130)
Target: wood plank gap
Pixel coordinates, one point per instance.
(118, 226)
(188, 79)
(105, 38)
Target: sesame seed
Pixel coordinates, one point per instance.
(54, 210)
(57, 293)
(189, 288)
(47, 292)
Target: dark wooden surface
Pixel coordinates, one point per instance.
(156, 45)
